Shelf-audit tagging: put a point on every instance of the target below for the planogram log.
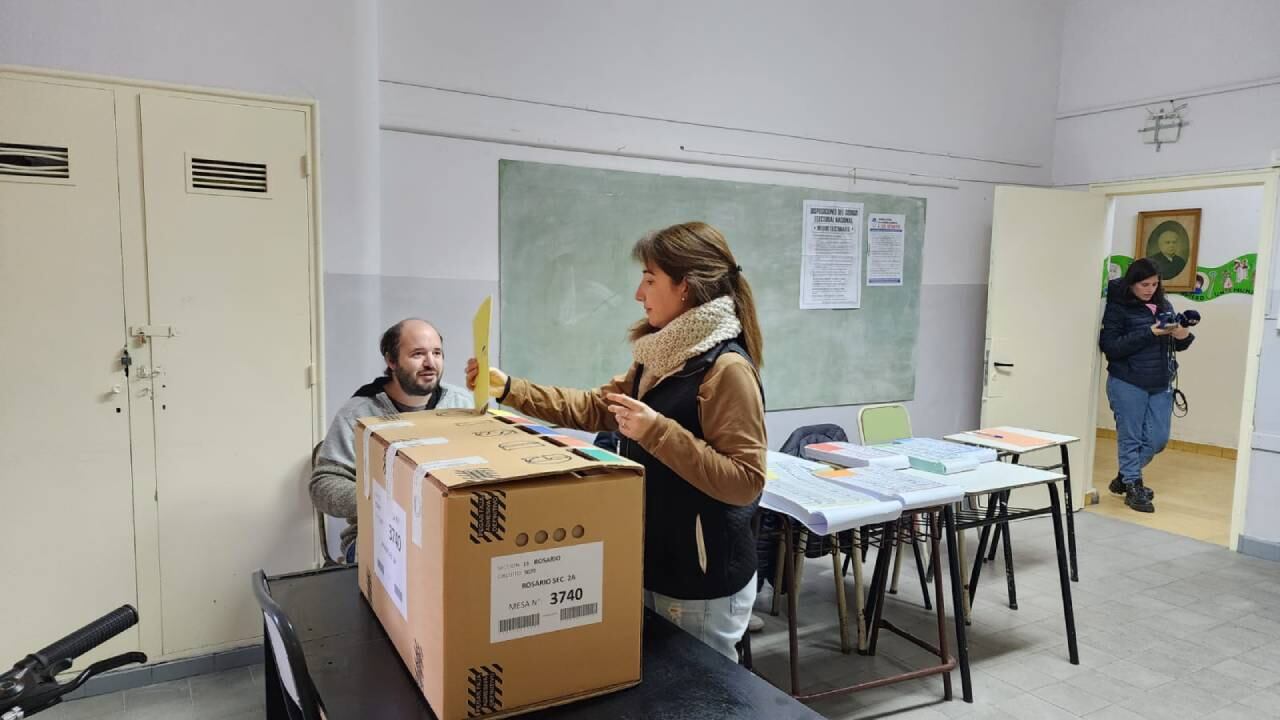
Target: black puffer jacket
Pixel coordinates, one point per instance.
(1134, 354)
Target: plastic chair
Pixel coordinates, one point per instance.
(879, 424)
(322, 529)
(300, 698)
(883, 423)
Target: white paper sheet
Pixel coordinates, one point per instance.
(822, 506)
(911, 491)
(831, 264)
(886, 240)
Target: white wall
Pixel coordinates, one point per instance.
(301, 48)
(777, 87)
(1140, 52)
(1262, 521)
(1123, 53)
(1211, 372)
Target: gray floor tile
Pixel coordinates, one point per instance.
(1234, 712)
(1229, 638)
(1265, 704)
(1266, 657)
(1030, 706)
(1113, 712)
(1212, 682)
(1069, 698)
(1137, 675)
(1113, 690)
(983, 713)
(162, 700)
(86, 708)
(225, 693)
(1247, 673)
(1259, 623)
(1174, 702)
(1020, 675)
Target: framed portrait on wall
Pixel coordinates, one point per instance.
(1171, 240)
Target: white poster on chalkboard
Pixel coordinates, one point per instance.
(885, 245)
(831, 264)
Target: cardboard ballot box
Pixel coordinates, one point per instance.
(503, 560)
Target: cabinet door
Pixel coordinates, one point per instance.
(229, 270)
(66, 489)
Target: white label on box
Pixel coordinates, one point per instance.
(388, 463)
(368, 433)
(545, 590)
(389, 549)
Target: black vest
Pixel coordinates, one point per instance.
(673, 507)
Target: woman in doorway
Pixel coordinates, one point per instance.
(1141, 367)
(691, 411)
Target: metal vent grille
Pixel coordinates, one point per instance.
(38, 161)
(228, 176)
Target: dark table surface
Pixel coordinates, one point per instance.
(359, 675)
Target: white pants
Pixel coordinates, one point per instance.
(718, 622)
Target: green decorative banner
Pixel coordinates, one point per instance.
(1211, 282)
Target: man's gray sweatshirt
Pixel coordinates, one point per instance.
(333, 478)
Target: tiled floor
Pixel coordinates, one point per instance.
(1169, 628)
(1193, 492)
(227, 695)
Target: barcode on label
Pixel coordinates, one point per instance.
(577, 611)
(519, 623)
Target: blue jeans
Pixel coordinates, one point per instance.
(719, 622)
(1142, 425)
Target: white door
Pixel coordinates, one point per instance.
(66, 488)
(1047, 248)
(229, 266)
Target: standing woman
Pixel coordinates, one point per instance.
(1141, 367)
(691, 411)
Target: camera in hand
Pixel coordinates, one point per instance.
(1169, 318)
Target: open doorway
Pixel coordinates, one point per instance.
(1194, 477)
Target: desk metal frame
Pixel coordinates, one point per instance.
(941, 520)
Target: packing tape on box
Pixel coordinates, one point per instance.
(369, 430)
(388, 463)
(420, 473)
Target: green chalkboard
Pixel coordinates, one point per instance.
(568, 282)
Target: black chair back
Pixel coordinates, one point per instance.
(281, 643)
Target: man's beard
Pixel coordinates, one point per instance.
(413, 385)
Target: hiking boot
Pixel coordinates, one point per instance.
(1138, 499)
(1118, 487)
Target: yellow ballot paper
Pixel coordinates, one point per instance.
(480, 346)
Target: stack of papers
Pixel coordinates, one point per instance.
(1007, 437)
(910, 490)
(823, 506)
(940, 456)
(847, 454)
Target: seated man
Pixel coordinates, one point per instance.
(414, 353)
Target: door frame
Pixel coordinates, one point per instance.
(137, 311)
(1269, 180)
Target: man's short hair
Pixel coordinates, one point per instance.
(390, 343)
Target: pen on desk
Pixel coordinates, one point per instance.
(987, 434)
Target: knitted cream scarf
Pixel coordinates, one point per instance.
(694, 332)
